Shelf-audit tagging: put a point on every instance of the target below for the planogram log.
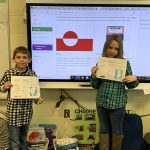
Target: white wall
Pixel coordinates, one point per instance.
(47, 113)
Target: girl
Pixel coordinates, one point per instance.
(111, 97)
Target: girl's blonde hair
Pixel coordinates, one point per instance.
(111, 38)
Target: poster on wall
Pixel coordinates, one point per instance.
(86, 126)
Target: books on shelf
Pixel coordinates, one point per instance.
(36, 137)
(49, 133)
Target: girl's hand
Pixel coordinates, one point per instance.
(38, 101)
(129, 78)
(7, 85)
(93, 70)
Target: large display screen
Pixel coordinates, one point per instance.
(66, 40)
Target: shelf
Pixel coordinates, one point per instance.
(80, 85)
(65, 85)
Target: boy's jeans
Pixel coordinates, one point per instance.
(18, 137)
(111, 120)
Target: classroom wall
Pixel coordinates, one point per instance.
(47, 113)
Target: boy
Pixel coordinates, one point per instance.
(19, 112)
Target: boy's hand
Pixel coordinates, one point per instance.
(7, 85)
(38, 101)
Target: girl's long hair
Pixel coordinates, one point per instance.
(111, 38)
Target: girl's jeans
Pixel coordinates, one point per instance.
(18, 137)
(111, 120)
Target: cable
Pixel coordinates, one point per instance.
(63, 97)
(74, 100)
(67, 96)
(145, 115)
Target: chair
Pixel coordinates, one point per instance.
(133, 134)
(3, 132)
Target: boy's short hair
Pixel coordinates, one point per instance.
(21, 49)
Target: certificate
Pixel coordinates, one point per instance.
(24, 87)
(111, 68)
